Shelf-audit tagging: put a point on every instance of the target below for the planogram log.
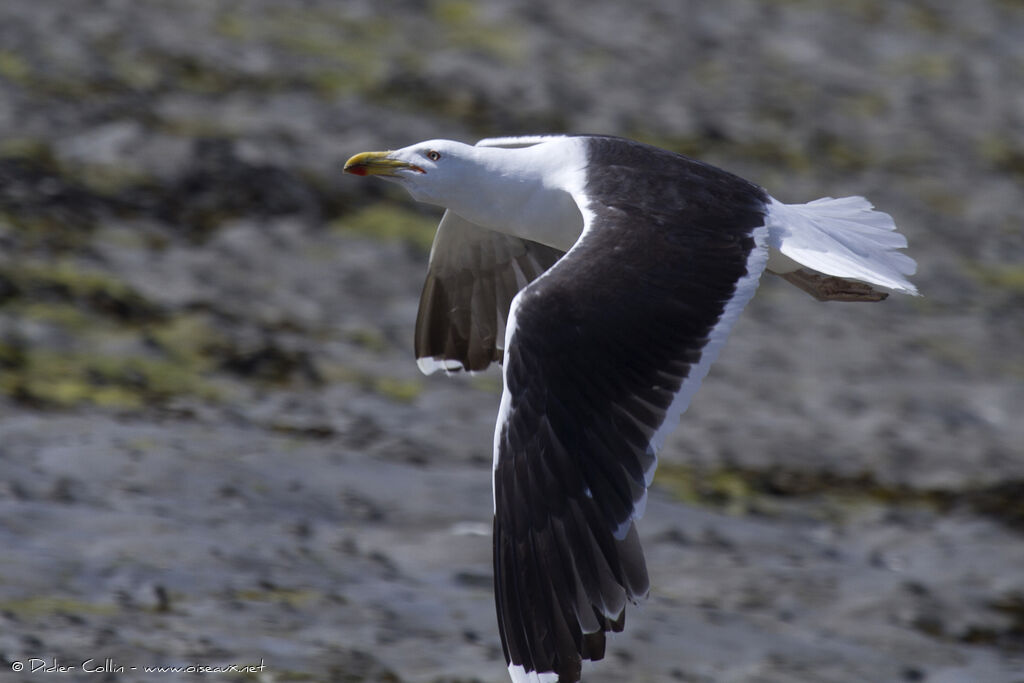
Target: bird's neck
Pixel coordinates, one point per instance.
(518, 193)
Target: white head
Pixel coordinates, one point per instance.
(513, 189)
(436, 171)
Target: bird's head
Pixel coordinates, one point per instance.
(429, 170)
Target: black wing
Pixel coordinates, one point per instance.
(473, 275)
(607, 347)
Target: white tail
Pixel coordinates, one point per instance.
(844, 238)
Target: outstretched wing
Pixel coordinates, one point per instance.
(604, 352)
(473, 275)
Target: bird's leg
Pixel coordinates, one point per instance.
(831, 288)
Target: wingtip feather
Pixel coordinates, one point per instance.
(429, 366)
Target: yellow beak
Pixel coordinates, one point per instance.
(377, 163)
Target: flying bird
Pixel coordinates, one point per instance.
(605, 275)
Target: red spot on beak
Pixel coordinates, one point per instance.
(356, 170)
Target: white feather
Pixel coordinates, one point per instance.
(842, 237)
(516, 141)
(521, 675)
(429, 365)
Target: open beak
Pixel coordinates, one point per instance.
(377, 163)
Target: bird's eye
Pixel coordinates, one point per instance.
(433, 156)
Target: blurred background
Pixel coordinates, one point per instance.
(216, 449)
